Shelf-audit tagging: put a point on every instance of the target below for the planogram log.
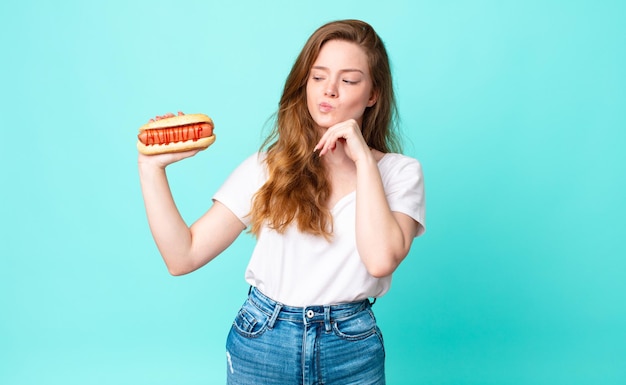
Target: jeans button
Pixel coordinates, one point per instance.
(310, 313)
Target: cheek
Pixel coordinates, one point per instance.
(358, 105)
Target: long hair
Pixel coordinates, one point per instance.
(298, 187)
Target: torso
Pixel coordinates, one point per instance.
(301, 269)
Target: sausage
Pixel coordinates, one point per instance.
(182, 133)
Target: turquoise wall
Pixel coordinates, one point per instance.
(515, 108)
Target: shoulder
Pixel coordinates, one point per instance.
(392, 163)
(251, 171)
(237, 191)
(403, 182)
(254, 162)
(255, 158)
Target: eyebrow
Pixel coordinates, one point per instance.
(342, 70)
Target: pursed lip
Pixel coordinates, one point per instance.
(325, 107)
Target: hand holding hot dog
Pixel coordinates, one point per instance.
(168, 138)
(169, 133)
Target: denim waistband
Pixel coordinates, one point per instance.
(310, 314)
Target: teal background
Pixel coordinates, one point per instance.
(515, 109)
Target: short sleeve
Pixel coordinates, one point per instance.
(239, 188)
(404, 187)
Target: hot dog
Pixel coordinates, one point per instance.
(176, 134)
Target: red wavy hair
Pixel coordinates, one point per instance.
(298, 188)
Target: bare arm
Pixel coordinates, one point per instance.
(184, 249)
(383, 237)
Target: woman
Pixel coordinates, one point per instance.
(333, 208)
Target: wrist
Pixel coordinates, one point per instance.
(149, 166)
(367, 160)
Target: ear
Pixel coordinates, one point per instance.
(373, 98)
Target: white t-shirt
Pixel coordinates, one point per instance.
(299, 269)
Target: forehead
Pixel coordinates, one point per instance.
(341, 54)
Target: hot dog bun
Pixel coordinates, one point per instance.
(199, 136)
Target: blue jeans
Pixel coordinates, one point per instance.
(272, 344)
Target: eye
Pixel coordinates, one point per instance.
(347, 81)
(317, 77)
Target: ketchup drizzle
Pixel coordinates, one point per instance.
(173, 134)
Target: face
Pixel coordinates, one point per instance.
(339, 86)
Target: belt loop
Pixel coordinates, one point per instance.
(327, 318)
(272, 320)
(373, 302)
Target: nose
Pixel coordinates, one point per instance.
(331, 90)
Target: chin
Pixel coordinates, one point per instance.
(322, 125)
(326, 123)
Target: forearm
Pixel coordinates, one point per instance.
(169, 230)
(381, 242)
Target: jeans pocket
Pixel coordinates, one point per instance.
(356, 327)
(251, 321)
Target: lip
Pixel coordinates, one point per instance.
(325, 107)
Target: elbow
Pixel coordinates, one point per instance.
(177, 270)
(176, 273)
(383, 263)
(381, 259)
(181, 265)
(380, 269)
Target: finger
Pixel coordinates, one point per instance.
(168, 115)
(329, 145)
(319, 145)
(329, 141)
(338, 132)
